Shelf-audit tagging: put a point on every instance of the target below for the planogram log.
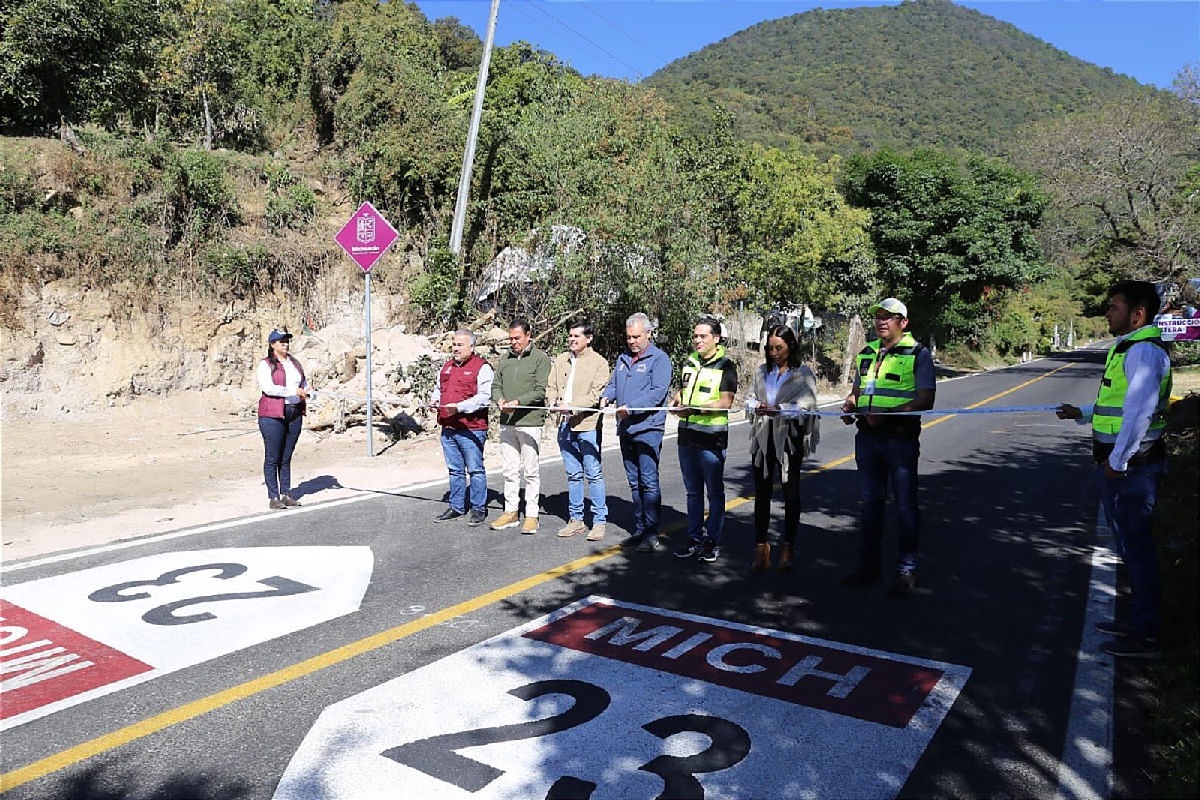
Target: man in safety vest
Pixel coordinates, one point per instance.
(1128, 420)
(894, 375)
(709, 381)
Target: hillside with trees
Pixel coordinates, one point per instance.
(925, 73)
(187, 151)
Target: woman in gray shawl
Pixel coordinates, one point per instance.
(780, 437)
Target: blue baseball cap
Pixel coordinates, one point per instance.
(278, 336)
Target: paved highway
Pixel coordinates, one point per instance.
(357, 650)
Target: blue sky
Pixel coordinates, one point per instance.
(1149, 40)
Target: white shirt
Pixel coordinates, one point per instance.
(1145, 367)
(291, 380)
(774, 379)
(569, 389)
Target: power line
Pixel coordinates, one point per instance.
(591, 7)
(539, 7)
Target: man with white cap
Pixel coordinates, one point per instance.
(894, 374)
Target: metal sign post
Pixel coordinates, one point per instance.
(365, 237)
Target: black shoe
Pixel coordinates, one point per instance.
(478, 517)
(632, 540)
(709, 553)
(1111, 627)
(649, 544)
(904, 581)
(1133, 647)
(447, 515)
(289, 501)
(690, 548)
(275, 504)
(863, 576)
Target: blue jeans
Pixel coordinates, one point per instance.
(1128, 504)
(279, 442)
(703, 472)
(581, 461)
(640, 454)
(463, 451)
(882, 461)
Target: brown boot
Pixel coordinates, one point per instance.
(762, 557)
(785, 558)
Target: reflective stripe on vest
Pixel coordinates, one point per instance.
(1110, 399)
(702, 385)
(894, 382)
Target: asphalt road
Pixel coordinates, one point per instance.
(224, 695)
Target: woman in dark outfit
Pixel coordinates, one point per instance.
(280, 415)
(780, 437)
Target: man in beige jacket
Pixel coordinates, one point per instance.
(576, 379)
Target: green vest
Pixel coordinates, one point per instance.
(895, 382)
(1110, 400)
(702, 385)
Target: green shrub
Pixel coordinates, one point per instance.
(435, 291)
(420, 375)
(290, 204)
(17, 189)
(146, 160)
(197, 197)
(1185, 354)
(237, 271)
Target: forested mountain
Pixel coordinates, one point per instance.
(924, 73)
(168, 147)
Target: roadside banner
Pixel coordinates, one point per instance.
(1178, 329)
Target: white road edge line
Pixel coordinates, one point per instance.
(1085, 772)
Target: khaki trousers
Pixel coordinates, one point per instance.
(519, 454)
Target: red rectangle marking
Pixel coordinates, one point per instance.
(856, 685)
(41, 662)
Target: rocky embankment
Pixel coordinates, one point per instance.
(76, 352)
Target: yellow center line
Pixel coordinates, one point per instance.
(987, 400)
(196, 708)
(159, 722)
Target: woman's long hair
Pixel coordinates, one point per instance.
(789, 338)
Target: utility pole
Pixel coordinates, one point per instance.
(464, 181)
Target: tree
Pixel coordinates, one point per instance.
(948, 234)
(78, 60)
(802, 242)
(1124, 181)
(199, 68)
(380, 97)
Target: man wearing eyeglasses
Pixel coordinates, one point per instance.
(894, 375)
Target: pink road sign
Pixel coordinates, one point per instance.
(365, 236)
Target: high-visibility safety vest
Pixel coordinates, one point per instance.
(1108, 413)
(702, 385)
(889, 381)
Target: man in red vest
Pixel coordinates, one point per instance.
(461, 397)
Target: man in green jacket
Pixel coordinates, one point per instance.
(521, 383)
